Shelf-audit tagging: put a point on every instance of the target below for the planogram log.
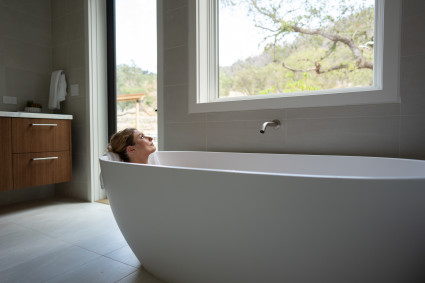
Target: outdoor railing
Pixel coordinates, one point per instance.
(136, 97)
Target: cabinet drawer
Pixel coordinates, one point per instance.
(38, 135)
(36, 169)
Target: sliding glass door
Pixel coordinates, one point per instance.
(132, 66)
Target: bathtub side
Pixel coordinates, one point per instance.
(203, 226)
(321, 165)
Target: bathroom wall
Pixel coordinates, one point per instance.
(25, 68)
(69, 39)
(25, 52)
(36, 38)
(389, 130)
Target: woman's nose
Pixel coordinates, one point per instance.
(150, 138)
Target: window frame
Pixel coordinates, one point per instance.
(203, 67)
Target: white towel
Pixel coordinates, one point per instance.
(153, 159)
(57, 89)
(111, 156)
(108, 156)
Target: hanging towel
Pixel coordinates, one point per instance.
(57, 89)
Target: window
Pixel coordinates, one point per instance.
(285, 85)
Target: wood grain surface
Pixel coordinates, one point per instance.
(6, 179)
(28, 172)
(27, 137)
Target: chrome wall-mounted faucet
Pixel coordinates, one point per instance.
(275, 124)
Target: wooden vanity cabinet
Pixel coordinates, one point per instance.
(6, 171)
(40, 152)
(39, 135)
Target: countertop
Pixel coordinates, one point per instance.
(34, 115)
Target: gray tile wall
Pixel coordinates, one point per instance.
(389, 130)
(25, 52)
(37, 37)
(69, 49)
(25, 68)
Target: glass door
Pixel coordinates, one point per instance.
(135, 67)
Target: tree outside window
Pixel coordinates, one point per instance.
(297, 45)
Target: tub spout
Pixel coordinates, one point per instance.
(275, 124)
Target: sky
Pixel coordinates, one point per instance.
(238, 38)
(136, 34)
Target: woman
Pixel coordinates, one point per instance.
(132, 146)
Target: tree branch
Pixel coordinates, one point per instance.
(330, 51)
(358, 55)
(297, 70)
(286, 26)
(317, 68)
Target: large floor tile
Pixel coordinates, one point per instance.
(48, 265)
(81, 227)
(9, 228)
(103, 243)
(70, 223)
(124, 255)
(65, 240)
(99, 270)
(21, 246)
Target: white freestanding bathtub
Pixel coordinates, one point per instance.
(203, 217)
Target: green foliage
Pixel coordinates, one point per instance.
(226, 82)
(286, 27)
(299, 85)
(265, 73)
(149, 100)
(270, 90)
(131, 79)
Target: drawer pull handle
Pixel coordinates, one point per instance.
(45, 158)
(48, 125)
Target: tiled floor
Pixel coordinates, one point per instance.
(63, 240)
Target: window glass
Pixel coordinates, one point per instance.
(284, 46)
(273, 54)
(136, 76)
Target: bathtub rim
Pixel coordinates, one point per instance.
(293, 175)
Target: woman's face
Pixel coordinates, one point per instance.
(143, 144)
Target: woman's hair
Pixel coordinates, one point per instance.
(119, 142)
